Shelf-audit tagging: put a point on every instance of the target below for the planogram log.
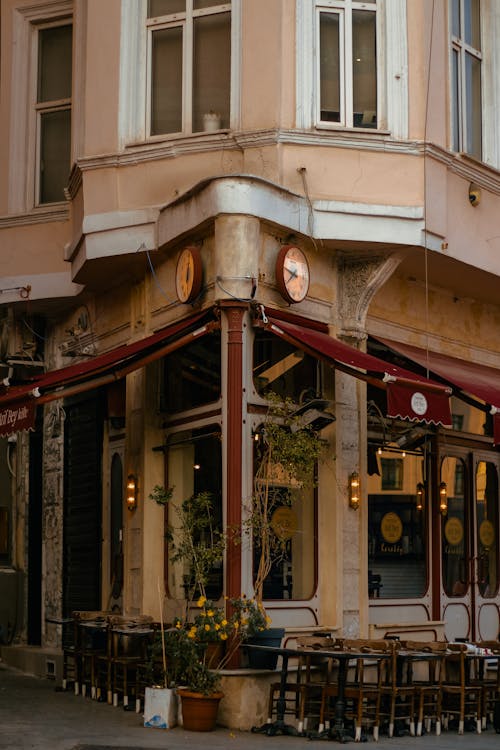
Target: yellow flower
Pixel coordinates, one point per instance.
(207, 627)
(201, 601)
(236, 624)
(192, 633)
(223, 636)
(217, 626)
(224, 623)
(210, 613)
(178, 625)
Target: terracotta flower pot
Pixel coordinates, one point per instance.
(199, 712)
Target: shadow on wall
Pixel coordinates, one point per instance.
(11, 600)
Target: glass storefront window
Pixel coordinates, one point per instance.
(486, 526)
(292, 517)
(283, 369)
(192, 375)
(195, 466)
(397, 557)
(454, 528)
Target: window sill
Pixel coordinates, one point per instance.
(337, 128)
(155, 140)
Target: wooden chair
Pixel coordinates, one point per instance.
(487, 679)
(304, 694)
(127, 642)
(362, 693)
(90, 644)
(426, 677)
(460, 698)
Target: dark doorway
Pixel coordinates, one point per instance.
(83, 436)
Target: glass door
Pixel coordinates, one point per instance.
(468, 507)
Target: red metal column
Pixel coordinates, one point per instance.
(234, 312)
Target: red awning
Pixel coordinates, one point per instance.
(479, 381)
(409, 396)
(18, 403)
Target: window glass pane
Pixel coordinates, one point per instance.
(454, 529)
(211, 71)
(291, 512)
(455, 100)
(472, 29)
(329, 42)
(364, 69)
(283, 369)
(397, 560)
(195, 467)
(165, 7)
(199, 4)
(487, 525)
(455, 18)
(54, 64)
(166, 81)
(55, 144)
(192, 375)
(473, 94)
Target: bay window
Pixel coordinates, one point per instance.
(466, 74)
(53, 112)
(347, 63)
(189, 50)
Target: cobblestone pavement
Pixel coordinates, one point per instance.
(35, 714)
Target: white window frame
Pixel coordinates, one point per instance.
(23, 164)
(135, 74)
(41, 108)
(458, 46)
(392, 65)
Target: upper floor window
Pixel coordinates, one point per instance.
(189, 52)
(347, 63)
(466, 74)
(53, 112)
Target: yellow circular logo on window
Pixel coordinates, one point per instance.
(487, 534)
(391, 528)
(284, 522)
(454, 531)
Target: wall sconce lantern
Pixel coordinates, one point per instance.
(132, 490)
(443, 499)
(420, 496)
(354, 490)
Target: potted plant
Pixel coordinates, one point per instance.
(200, 694)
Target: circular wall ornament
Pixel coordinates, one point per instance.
(292, 273)
(188, 274)
(419, 403)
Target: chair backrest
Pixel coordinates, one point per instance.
(315, 641)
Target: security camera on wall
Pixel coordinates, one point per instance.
(474, 194)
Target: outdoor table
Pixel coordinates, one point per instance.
(338, 731)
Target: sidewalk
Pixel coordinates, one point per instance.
(35, 716)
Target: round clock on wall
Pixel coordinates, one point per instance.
(188, 274)
(292, 273)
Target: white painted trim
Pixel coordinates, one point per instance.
(394, 91)
(491, 81)
(133, 66)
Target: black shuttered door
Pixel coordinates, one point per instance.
(82, 505)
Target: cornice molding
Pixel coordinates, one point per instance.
(467, 167)
(37, 216)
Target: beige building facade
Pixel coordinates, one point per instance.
(199, 201)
